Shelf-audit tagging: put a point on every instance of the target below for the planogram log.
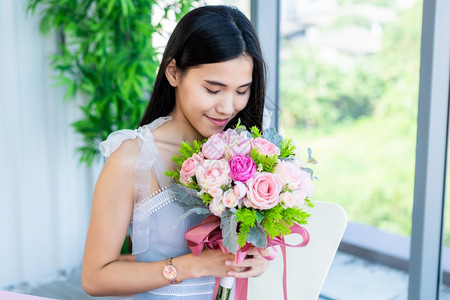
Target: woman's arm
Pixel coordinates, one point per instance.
(112, 207)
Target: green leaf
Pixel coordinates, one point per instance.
(311, 159)
(259, 216)
(110, 6)
(264, 163)
(257, 237)
(207, 198)
(255, 132)
(228, 225)
(246, 217)
(106, 53)
(278, 220)
(287, 148)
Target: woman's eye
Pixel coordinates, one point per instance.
(212, 92)
(242, 93)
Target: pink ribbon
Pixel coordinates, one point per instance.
(208, 234)
(295, 228)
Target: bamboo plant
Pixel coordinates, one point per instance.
(106, 52)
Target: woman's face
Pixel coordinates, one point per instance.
(208, 96)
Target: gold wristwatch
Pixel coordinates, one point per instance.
(169, 271)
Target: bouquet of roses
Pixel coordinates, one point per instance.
(254, 184)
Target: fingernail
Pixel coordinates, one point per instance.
(228, 263)
(230, 273)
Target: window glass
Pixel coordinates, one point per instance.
(349, 80)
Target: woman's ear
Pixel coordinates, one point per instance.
(172, 73)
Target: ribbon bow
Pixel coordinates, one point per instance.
(208, 234)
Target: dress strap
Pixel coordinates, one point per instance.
(148, 162)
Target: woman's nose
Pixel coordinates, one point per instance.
(226, 104)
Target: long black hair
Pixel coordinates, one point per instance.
(210, 34)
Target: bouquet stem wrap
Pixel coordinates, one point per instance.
(222, 291)
(208, 234)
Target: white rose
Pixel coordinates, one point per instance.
(229, 199)
(299, 198)
(287, 199)
(288, 173)
(216, 206)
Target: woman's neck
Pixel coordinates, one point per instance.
(181, 130)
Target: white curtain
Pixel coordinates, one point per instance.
(45, 195)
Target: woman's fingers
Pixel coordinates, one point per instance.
(252, 266)
(219, 264)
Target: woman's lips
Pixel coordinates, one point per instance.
(218, 122)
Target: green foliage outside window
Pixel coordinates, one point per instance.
(359, 115)
(106, 52)
(317, 93)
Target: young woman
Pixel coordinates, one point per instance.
(211, 75)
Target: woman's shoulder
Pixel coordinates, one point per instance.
(124, 158)
(128, 150)
(115, 141)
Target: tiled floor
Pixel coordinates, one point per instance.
(349, 278)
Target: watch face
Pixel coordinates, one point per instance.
(169, 272)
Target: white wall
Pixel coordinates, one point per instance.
(45, 194)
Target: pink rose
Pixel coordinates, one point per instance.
(288, 173)
(213, 174)
(237, 143)
(299, 198)
(187, 170)
(265, 147)
(228, 135)
(263, 190)
(229, 199)
(306, 184)
(216, 206)
(214, 147)
(287, 199)
(242, 168)
(199, 158)
(188, 167)
(228, 153)
(239, 189)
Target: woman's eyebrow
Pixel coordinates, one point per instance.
(224, 85)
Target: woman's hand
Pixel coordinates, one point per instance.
(212, 263)
(252, 266)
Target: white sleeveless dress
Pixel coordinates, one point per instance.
(156, 231)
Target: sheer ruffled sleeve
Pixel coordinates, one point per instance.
(148, 163)
(115, 139)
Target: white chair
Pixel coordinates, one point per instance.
(307, 267)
